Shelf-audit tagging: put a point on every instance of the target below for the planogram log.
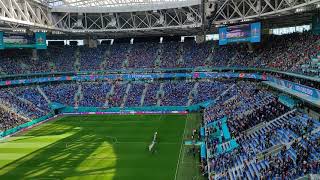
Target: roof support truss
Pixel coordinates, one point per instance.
(239, 10)
(26, 13)
(133, 21)
(30, 14)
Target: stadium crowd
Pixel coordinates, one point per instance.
(135, 94)
(10, 119)
(285, 52)
(256, 120)
(35, 101)
(260, 123)
(176, 93)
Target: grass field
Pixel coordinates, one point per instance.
(100, 147)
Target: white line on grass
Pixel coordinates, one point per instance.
(119, 142)
(181, 146)
(143, 142)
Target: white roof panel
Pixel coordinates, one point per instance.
(117, 5)
(109, 3)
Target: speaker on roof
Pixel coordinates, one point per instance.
(78, 24)
(113, 22)
(190, 17)
(209, 7)
(160, 21)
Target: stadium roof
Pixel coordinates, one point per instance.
(121, 5)
(127, 18)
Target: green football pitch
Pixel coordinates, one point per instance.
(100, 147)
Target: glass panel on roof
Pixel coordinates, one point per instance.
(107, 3)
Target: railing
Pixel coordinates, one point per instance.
(163, 70)
(131, 76)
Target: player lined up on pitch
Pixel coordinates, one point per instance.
(152, 146)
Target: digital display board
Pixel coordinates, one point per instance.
(41, 40)
(17, 40)
(12, 40)
(240, 33)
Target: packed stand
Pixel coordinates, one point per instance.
(262, 111)
(94, 94)
(20, 106)
(209, 90)
(116, 56)
(31, 94)
(135, 94)
(12, 62)
(62, 58)
(10, 119)
(244, 96)
(91, 58)
(176, 93)
(150, 98)
(116, 98)
(298, 137)
(169, 54)
(286, 52)
(195, 54)
(259, 124)
(61, 93)
(142, 55)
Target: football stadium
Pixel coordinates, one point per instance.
(160, 89)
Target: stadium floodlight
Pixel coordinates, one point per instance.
(57, 32)
(298, 10)
(19, 30)
(39, 30)
(246, 20)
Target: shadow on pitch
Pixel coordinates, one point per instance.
(65, 158)
(82, 154)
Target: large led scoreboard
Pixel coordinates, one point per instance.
(36, 40)
(240, 33)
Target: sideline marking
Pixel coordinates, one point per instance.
(181, 146)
